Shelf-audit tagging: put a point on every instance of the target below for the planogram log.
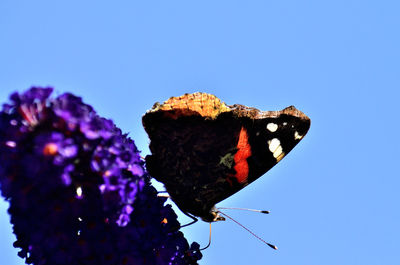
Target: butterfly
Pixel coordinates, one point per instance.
(204, 150)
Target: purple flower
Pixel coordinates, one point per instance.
(78, 190)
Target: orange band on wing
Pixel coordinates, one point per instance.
(244, 151)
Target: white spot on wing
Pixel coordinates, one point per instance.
(272, 127)
(273, 144)
(278, 151)
(275, 147)
(279, 158)
(297, 136)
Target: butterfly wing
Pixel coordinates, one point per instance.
(205, 153)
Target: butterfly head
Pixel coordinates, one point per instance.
(213, 216)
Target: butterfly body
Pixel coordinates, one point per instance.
(204, 151)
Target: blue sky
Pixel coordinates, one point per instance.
(334, 199)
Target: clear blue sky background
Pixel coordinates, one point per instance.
(335, 198)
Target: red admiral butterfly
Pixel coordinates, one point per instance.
(205, 151)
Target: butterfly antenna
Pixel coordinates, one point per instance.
(245, 209)
(209, 240)
(248, 230)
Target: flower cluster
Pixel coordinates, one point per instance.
(78, 190)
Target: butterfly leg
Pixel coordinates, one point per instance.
(162, 194)
(192, 217)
